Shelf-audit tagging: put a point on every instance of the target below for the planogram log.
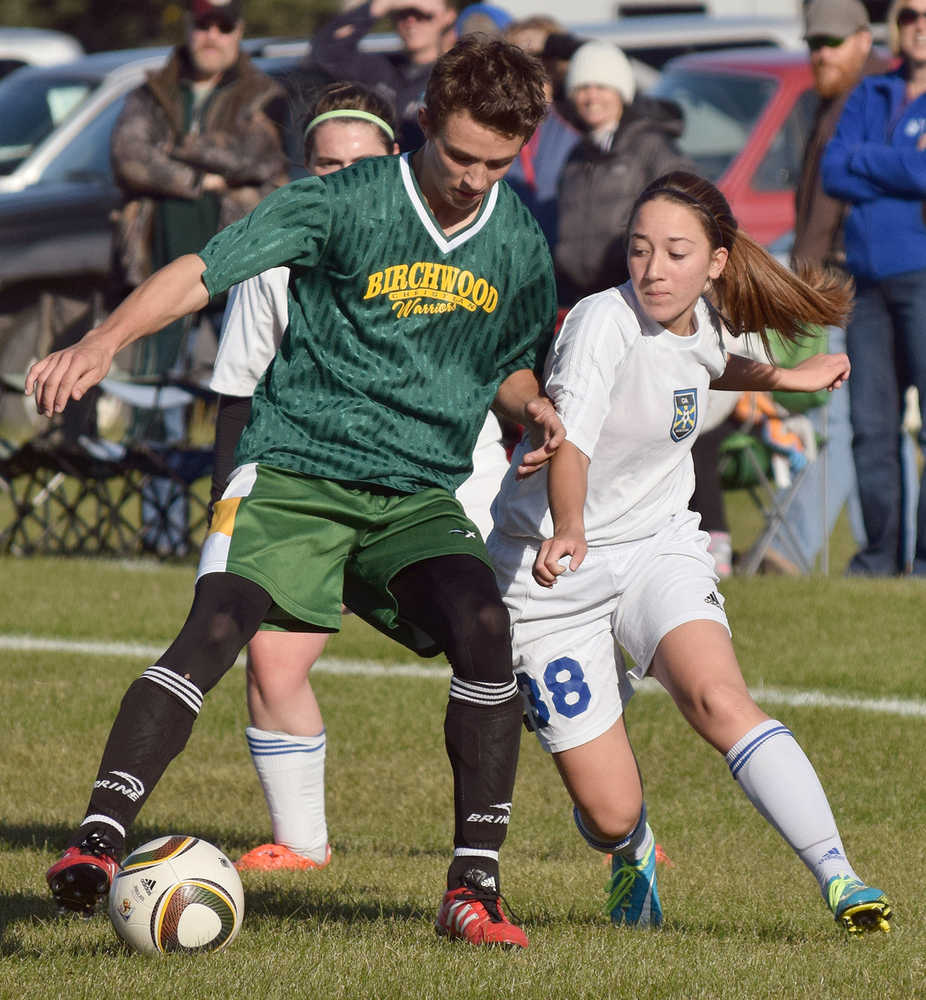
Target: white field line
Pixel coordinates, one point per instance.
(369, 668)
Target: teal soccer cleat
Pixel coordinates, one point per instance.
(632, 895)
(859, 908)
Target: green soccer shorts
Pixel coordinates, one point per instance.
(315, 544)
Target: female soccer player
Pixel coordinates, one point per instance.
(629, 374)
(286, 738)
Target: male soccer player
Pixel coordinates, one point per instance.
(421, 289)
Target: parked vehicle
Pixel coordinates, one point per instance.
(747, 117)
(35, 47)
(657, 39)
(57, 196)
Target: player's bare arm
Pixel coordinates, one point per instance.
(521, 400)
(822, 371)
(174, 291)
(567, 487)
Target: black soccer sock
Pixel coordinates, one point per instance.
(151, 728)
(455, 600)
(158, 711)
(482, 743)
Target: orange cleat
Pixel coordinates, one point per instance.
(276, 857)
(662, 858)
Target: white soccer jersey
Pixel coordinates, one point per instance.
(632, 397)
(255, 320)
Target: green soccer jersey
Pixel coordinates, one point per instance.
(398, 336)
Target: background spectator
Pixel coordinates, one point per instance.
(839, 39)
(876, 163)
(484, 18)
(193, 150)
(627, 143)
(425, 28)
(535, 173)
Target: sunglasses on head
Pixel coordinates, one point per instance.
(817, 42)
(907, 16)
(225, 24)
(418, 15)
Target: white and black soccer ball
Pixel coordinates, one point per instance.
(176, 894)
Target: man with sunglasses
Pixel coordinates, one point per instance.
(838, 35)
(425, 29)
(194, 149)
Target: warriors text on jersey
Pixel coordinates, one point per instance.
(399, 336)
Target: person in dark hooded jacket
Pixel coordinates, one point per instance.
(629, 141)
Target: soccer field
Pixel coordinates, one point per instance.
(841, 662)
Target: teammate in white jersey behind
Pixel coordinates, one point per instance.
(421, 292)
(286, 739)
(601, 552)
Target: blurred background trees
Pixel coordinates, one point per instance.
(117, 24)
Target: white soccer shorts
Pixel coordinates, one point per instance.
(567, 642)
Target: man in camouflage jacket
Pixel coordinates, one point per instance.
(195, 131)
(194, 149)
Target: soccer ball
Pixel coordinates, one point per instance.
(176, 894)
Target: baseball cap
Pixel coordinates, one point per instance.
(835, 18)
(227, 10)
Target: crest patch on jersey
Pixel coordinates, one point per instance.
(685, 418)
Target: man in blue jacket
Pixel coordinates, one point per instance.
(876, 163)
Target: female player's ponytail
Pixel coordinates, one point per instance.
(755, 293)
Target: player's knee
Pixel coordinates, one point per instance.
(610, 821)
(479, 644)
(222, 629)
(717, 705)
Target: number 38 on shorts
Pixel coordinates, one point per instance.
(568, 703)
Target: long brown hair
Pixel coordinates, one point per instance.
(755, 293)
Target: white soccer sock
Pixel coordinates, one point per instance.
(781, 783)
(291, 770)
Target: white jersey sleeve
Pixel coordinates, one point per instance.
(255, 320)
(584, 362)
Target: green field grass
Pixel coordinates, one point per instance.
(743, 917)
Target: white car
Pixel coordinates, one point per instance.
(35, 47)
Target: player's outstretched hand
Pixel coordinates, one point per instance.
(67, 374)
(821, 371)
(549, 563)
(546, 433)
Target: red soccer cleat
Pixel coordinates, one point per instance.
(80, 880)
(472, 912)
(276, 857)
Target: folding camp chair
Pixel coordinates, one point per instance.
(84, 497)
(81, 495)
(746, 462)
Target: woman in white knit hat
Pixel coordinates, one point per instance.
(629, 141)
